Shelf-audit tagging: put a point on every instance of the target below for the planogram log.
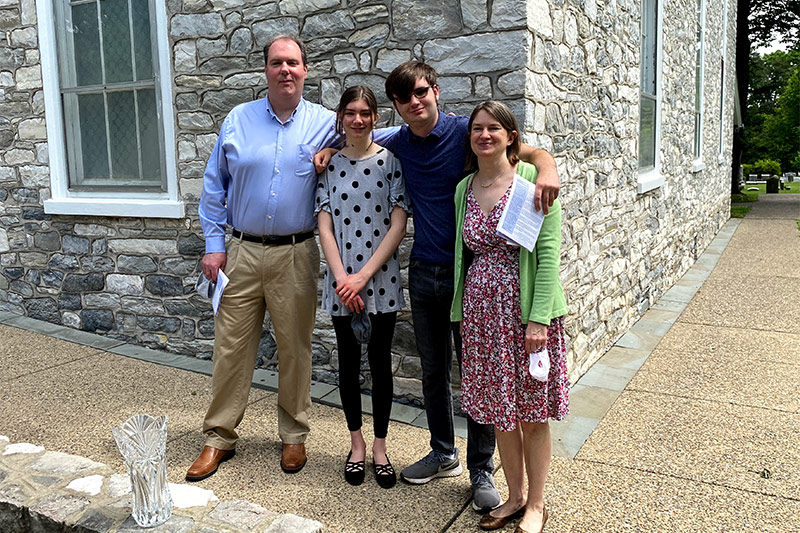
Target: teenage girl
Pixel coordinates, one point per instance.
(361, 212)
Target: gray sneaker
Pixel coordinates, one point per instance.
(430, 467)
(484, 492)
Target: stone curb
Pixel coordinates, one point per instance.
(46, 491)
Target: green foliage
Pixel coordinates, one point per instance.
(763, 166)
(783, 126)
(794, 164)
(739, 211)
(770, 78)
(774, 18)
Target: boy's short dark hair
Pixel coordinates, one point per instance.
(403, 78)
(291, 37)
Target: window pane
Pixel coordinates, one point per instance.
(116, 40)
(142, 51)
(93, 147)
(148, 133)
(647, 132)
(697, 126)
(122, 133)
(86, 40)
(649, 43)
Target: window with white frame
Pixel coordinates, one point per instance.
(699, 73)
(721, 159)
(108, 106)
(649, 97)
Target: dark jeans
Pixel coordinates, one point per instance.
(379, 354)
(431, 289)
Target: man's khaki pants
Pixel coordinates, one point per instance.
(282, 279)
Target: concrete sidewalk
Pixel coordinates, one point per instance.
(690, 423)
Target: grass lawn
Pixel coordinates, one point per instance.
(794, 188)
(739, 211)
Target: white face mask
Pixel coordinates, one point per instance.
(204, 286)
(540, 364)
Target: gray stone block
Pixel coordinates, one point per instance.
(75, 245)
(161, 285)
(51, 278)
(289, 523)
(63, 262)
(95, 520)
(158, 323)
(97, 320)
(22, 288)
(97, 263)
(240, 513)
(51, 512)
(43, 309)
(69, 301)
(191, 244)
(421, 19)
(135, 264)
(83, 282)
(50, 241)
(13, 518)
(14, 272)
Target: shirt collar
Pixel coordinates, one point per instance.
(300, 105)
(436, 132)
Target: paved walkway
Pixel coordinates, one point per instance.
(690, 423)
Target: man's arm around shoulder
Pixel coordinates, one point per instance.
(547, 182)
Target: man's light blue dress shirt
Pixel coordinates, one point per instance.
(260, 177)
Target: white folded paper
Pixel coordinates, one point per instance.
(520, 222)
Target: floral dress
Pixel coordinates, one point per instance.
(496, 386)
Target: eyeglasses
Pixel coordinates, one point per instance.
(419, 93)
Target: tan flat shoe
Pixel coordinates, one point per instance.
(544, 521)
(489, 522)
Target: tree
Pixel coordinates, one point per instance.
(759, 22)
(768, 78)
(783, 127)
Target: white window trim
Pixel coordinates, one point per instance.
(652, 178)
(698, 162)
(62, 201)
(721, 156)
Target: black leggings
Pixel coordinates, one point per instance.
(379, 352)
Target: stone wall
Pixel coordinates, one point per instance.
(569, 69)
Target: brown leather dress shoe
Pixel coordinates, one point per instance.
(207, 462)
(293, 458)
(489, 522)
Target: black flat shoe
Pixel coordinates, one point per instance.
(353, 471)
(384, 474)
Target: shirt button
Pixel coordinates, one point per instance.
(273, 194)
(277, 171)
(270, 217)
(280, 148)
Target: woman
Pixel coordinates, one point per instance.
(361, 213)
(511, 304)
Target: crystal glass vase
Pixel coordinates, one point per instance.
(142, 441)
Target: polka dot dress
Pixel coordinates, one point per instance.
(360, 195)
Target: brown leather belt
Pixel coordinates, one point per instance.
(273, 240)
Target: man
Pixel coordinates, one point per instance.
(431, 147)
(260, 179)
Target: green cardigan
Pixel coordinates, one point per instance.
(541, 295)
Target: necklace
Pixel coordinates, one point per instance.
(491, 182)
